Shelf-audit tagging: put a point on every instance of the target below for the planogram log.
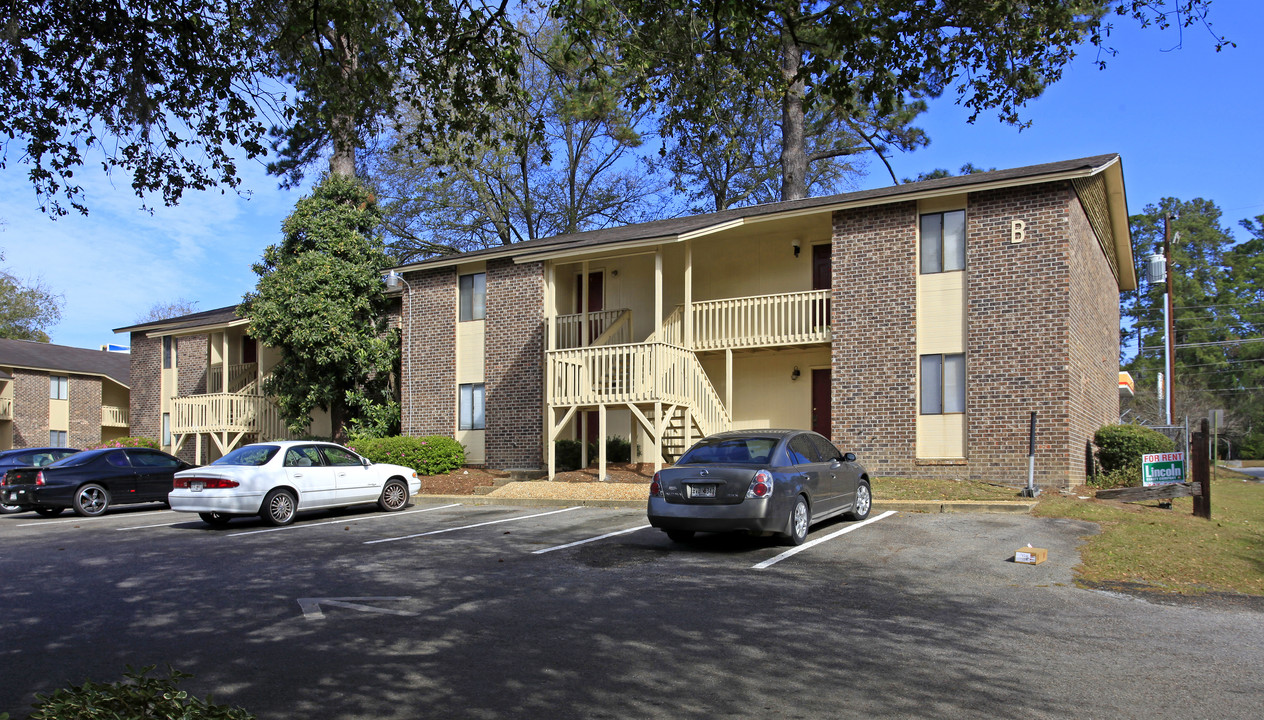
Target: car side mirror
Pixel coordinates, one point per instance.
(835, 464)
(849, 457)
(365, 462)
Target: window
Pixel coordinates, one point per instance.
(169, 348)
(339, 457)
(943, 237)
(802, 450)
(943, 384)
(471, 407)
(57, 438)
(303, 456)
(58, 387)
(152, 458)
(166, 429)
(473, 297)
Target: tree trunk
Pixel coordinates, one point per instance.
(342, 129)
(794, 157)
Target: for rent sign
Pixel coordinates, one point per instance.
(1162, 468)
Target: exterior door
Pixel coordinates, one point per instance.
(822, 279)
(822, 407)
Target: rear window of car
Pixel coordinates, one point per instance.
(77, 459)
(731, 451)
(251, 455)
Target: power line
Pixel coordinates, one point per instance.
(1221, 343)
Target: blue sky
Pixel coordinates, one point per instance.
(1186, 121)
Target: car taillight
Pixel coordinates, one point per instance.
(761, 486)
(39, 478)
(656, 489)
(208, 483)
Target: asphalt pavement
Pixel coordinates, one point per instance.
(452, 610)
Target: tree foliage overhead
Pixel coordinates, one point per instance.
(861, 58)
(1218, 319)
(319, 301)
(576, 170)
(433, 67)
(27, 308)
(162, 90)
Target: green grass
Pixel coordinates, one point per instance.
(903, 489)
(1171, 550)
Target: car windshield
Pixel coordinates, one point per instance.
(250, 455)
(731, 451)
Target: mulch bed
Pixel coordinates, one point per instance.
(462, 481)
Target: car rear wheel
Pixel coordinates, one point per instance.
(48, 511)
(6, 509)
(91, 500)
(864, 502)
(800, 519)
(680, 535)
(278, 508)
(394, 496)
(215, 519)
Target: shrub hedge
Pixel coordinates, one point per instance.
(618, 450)
(427, 455)
(1119, 451)
(135, 441)
(138, 696)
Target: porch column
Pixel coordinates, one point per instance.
(585, 338)
(601, 442)
(224, 359)
(550, 344)
(688, 338)
(728, 380)
(658, 292)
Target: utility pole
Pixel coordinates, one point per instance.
(1169, 355)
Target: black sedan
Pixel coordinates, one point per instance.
(93, 480)
(29, 457)
(766, 482)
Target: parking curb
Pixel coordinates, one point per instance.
(916, 506)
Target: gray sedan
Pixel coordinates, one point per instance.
(766, 482)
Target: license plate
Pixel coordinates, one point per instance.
(11, 497)
(196, 486)
(701, 491)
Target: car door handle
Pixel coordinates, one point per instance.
(298, 474)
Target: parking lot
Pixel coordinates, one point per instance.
(453, 610)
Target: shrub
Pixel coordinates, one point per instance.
(568, 454)
(136, 441)
(1121, 446)
(136, 697)
(618, 450)
(427, 455)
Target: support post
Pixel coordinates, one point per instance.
(1201, 471)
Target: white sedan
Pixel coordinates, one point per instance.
(275, 480)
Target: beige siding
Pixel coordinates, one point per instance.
(764, 395)
(941, 328)
(469, 352)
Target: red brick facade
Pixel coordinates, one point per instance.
(30, 408)
(145, 411)
(1041, 335)
(428, 382)
(514, 364)
(84, 394)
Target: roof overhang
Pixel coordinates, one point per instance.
(64, 371)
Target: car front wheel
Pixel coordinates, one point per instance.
(278, 508)
(394, 496)
(800, 519)
(91, 500)
(864, 502)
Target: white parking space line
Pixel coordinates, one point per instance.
(344, 520)
(143, 527)
(79, 520)
(778, 558)
(593, 539)
(467, 527)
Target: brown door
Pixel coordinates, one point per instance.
(822, 276)
(596, 299)
(821, 408)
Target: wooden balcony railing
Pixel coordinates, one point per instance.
(112, 416)
(238, 377)
(6, 408)
(228, 412)
(762, 321)
(611, 327)
(640, 373)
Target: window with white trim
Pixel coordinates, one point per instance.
(943, 388)
(58, 388)
(166, 429)
(169, 347)
(943, 241)
(57, 438)
(473, 297)
(471, 406)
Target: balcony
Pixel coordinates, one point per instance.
(114, 416)
(6, 408)
(239, 376)
(228, 413)
(760, 321)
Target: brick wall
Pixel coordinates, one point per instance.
(30, 408)
(1094, 340)
(191, 360)
(873, 312)
(1041, 334)
(428, 382)
(145, 400)
(514, 364)
(84, 393)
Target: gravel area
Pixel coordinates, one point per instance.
(623, 481)
(573, 490)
